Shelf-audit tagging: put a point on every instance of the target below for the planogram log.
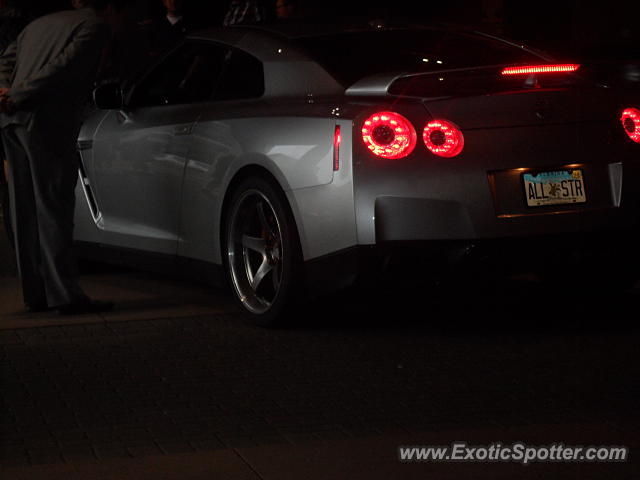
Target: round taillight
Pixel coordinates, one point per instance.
(631, 122)
(443, 138)
(389, 135)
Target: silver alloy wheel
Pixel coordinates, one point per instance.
(255, 251)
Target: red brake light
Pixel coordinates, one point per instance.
(443, 138)
(527, 69)
(389, 135)
(337, 139)
(631, 122)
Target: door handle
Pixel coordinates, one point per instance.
(84, 145)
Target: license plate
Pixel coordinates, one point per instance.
(554, 188)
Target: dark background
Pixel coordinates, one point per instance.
(571, 29)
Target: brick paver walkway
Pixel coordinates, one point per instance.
(115, 389)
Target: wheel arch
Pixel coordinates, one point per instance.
(254, 170)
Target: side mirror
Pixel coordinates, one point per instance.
(109, 97)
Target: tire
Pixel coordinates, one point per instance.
(261, 252)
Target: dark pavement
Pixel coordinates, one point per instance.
(172, 384)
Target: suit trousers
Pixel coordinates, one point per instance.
(43, 172)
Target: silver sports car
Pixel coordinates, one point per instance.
(289, 160)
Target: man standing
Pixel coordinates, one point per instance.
(159, 35)
(14, 17)
(175, 17)
(53, 69)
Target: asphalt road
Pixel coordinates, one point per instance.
(174, 374)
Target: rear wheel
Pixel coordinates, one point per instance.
(261, 252)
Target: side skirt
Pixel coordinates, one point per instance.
(170, 265)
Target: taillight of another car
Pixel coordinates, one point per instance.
(389, 135)
(631, 123)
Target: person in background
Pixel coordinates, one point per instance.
(245, 12)
(53, 68)
(113, 65)
(288, 10)
(158, 35)
(13, 18)
(175, 16)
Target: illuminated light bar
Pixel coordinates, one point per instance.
(337, 140)
(528, 69)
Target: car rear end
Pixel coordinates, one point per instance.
(482, 146)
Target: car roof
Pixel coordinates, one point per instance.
(291, 30)
(300, 29)
(286, 31)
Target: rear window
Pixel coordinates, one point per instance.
(352, 56)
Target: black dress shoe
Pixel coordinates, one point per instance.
(85, 306)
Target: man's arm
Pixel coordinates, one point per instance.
(7, 64)
(72, 65)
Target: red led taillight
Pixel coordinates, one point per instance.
(389, 135)
(631, 122)
(443, 138)
(337, 139)
(528, 69)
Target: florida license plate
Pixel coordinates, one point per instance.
(554, 188)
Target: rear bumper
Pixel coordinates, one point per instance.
(418, 219)
(398, 219)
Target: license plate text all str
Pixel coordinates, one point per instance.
(554, 188)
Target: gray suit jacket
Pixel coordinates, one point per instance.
(53, 66)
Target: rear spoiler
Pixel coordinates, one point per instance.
(375, 85)
(475, 80)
